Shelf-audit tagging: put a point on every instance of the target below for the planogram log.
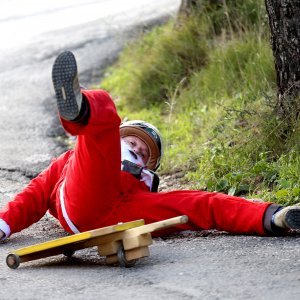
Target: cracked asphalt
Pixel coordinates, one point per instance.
(191, 265)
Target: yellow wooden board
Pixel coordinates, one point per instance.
(129, 239)
(79, 237)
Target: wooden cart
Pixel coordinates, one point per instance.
(123, 243)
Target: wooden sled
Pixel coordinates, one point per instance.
(123, 243)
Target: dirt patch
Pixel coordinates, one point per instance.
(173, 182)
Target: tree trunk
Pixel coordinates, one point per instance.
(284, 21)
(187, 6)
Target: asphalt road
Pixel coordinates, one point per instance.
(202, 265)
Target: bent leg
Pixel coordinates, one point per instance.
(205, 211)
(92, 177)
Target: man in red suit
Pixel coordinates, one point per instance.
(109, 176)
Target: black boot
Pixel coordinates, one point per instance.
(67, 88)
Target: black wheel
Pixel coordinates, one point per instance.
(69, 254)
(122, 259)
(13, 261)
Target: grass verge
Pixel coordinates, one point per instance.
(208, 83)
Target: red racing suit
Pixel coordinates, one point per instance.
(85, 189)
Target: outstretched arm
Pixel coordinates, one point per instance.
(30, 205)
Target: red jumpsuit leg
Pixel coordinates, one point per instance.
(92, 177)
(205, 211)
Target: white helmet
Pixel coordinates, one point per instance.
(150, 135)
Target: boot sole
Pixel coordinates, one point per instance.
(292, 218)
(66, 85)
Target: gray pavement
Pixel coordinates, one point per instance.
(189, 266)
(202, 265)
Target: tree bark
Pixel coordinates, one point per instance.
(284, 21)
(187, 6)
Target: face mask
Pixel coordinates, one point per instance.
(128, 154)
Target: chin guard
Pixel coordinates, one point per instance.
(137, 172)
(132, 168)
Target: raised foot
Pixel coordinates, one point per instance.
(66, 85)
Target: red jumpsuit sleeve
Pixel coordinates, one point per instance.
(30, 205)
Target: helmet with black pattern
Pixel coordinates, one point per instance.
(150, 135)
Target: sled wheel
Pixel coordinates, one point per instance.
(122, 259)
(13, 261)
(69, 254)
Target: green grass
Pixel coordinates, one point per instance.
(208, 83)
(151, 69)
